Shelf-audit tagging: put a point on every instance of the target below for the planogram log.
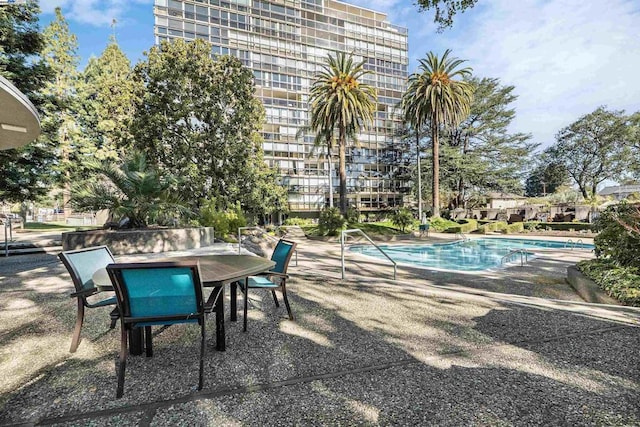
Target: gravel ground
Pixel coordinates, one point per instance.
(514, 347)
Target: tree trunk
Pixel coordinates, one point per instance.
(343, 173)
(330, 176)
(435, 149)
(419, 175)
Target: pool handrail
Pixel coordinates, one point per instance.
(573, 245)
(264, 232)
(462, 236)
(344, 234)
(516, 251)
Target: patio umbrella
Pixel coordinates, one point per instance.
(19, 121)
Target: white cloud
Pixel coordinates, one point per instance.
(564, 57)
(99, 13)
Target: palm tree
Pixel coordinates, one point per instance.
(340, 103)
(133, 189)
(434, 97)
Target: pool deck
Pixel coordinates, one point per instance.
(514, 347)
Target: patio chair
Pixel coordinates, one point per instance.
(153, 294)
(81, 265)
(275, 279)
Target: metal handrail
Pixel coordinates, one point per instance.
(343, 236)
(8, 237)
(462, 236)
(573, 245)
(522, 252)
(567, 243)
(264, 232)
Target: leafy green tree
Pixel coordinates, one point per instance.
(480, 155)
(619, 234)
(445, 10)
(436, 98)
(59, 53)
(634, 139)
(132, 189)
(198, 118)
(546, 178)
(108, 94)
(594, 148)
(340, 102)
(331, 221)
(26, 170)
(402, 218)
(267, 196)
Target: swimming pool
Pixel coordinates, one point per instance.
(470, 255)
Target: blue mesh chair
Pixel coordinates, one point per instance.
(275, 279)
(82, 264)
(159, 293)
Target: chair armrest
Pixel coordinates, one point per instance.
(274, 273)
(84, 293)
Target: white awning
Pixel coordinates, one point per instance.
(19, 120)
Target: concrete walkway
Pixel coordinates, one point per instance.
(514, 347)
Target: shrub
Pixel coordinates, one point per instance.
(441, 224)
(402, 218)
(298, 221)
(467, 226)
(532, 225)
(614, 241)
(516, 227)
(331, 221)
(353, 215)
(223, 222)
(622, 283)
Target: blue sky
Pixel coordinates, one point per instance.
(564, 57)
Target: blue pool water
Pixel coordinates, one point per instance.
(471, 255)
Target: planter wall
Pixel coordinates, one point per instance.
(587, 288)
(156, 240)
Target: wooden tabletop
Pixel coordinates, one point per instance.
(215, 270)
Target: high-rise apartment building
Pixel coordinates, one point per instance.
(285, 43)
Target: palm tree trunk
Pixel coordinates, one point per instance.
(435, 149)
(419, 175)
(343, 172)
(330, 176)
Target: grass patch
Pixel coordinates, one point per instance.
(621, 283)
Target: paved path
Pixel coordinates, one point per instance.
(426, 349)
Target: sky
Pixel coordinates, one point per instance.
(565, 58)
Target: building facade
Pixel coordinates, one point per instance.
(285, 43)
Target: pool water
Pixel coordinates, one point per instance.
(470, 255)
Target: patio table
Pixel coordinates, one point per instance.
(215, 272)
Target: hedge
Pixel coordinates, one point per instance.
(516, 227)
(493, 226)
(622, 283)
(467, 227)
(558, 226)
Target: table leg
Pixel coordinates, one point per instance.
(234, 298)
(220, 335)
(136, 339)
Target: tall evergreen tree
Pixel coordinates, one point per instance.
(108, 94)
(60, 54)
(26, 170)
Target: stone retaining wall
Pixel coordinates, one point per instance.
(587, 288)
(140, 241)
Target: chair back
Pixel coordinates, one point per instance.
(282, 255)
(158, 293)
(83, 263)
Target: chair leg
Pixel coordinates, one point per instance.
(123, 361)
(202, 352)
(115, 315)
(246, 303)
(286, 301)
(275, 298)
(76, 333)
(148, 341)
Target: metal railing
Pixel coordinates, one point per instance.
(524, 256)
(462, 237)
(264, 233)
(573, 245)
(8, 236)
(343, 238)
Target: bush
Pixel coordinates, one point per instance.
(223, 222)
(516, 227)
(532, 225)
(467, 226)
(402, 218)
(614, 241)
(441, 224)
(331, 221)
(622, 283)
(565, 226)
(297, 221)
(353, 215)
